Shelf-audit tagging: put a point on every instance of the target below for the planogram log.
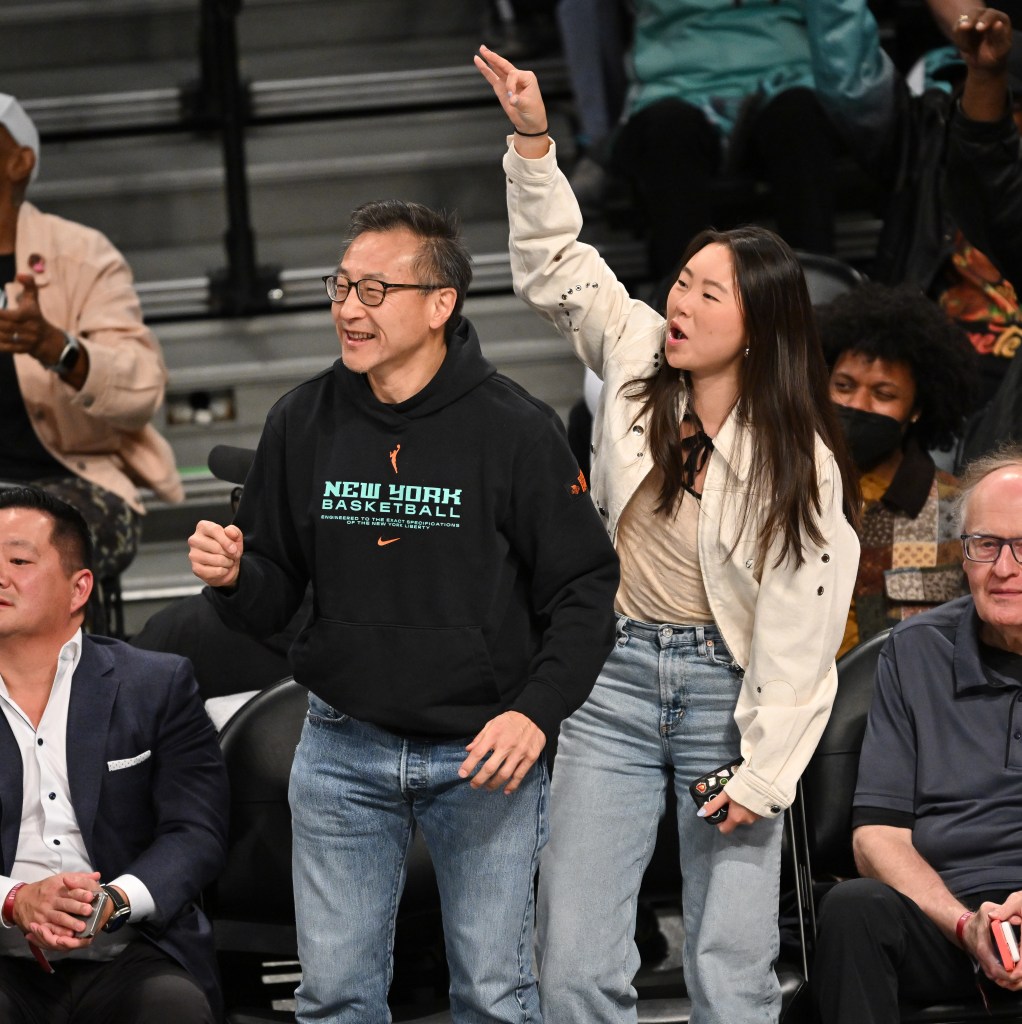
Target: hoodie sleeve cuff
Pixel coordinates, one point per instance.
(542, 705)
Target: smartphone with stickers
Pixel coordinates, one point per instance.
(707, 786)
(1006, 941)
(91, 919)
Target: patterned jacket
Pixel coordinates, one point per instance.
(911, 556)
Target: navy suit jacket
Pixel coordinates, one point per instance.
(164, 819)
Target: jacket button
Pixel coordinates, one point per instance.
(825, 558)
(819, 591)
(557, 258)
(603, 511)
(774, 809)
(637, 429)
(592, 448)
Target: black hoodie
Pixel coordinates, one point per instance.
(458, 565)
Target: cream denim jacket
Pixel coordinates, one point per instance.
(781, 625)
(103, 432)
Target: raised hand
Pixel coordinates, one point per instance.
(984, 40)
(518, 92)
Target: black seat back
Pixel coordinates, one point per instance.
(829, 780)
(258, 744)
(827, 277)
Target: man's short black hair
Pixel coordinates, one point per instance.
(443, 257)
(70, 535)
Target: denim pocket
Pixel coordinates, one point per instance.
(720, 654)
(322, 713)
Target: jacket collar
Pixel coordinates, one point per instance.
(88, 722)
(910, 488)
(734, 444)
(11, 772)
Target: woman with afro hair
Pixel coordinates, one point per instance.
(903, 377)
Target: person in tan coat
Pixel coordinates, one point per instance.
(81, 373)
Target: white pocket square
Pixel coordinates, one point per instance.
(129, 762)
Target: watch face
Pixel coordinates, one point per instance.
(69, 360)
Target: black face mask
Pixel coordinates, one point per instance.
(871, 437)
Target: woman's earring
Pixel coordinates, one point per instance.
(746, 351)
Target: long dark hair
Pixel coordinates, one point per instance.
(784, 397)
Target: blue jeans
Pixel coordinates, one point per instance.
(664, 701)
(357, 794)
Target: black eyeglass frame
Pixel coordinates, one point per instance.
(1001, 541)
(357, 285)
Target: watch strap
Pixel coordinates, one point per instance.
(122, 909)
(69, 356)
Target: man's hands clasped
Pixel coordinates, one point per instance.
(43, 910)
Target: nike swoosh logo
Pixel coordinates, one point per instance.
(380, 542)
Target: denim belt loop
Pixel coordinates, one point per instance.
(622, 630)
(701, 640)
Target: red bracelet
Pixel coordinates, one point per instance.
(960, 927)
(8, 908)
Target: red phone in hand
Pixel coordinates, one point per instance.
(1006, 941)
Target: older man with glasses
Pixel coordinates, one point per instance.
(939, 794)
(463, 592)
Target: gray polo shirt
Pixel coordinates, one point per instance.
(942, 753)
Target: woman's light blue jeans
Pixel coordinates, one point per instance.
(357, 794)
(664, 702)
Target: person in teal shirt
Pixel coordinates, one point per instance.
(718, 87)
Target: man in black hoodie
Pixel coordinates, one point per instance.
(463, 606)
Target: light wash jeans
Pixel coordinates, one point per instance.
(357, 795)
(665, 700)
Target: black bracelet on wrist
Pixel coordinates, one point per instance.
(532, 135)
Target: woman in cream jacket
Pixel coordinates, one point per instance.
(716, 474)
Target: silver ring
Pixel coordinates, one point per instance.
(963, 18)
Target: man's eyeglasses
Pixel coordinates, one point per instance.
(370, 292)
(981, 547)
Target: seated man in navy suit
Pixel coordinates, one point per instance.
(112, 793)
